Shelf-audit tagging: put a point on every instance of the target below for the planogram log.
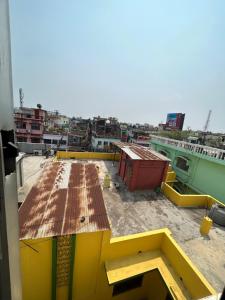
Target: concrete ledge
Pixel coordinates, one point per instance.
(205, 201)
(87, 155)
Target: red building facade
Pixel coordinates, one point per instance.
(29, 124)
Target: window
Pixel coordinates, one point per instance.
(28, 116)
(105, 143)
(182, 163)
(99, 143)
(47, 141)
(20, 125)
(127, 285)
(55, 142)
(35, 140)
(163, 152)
(35, 126)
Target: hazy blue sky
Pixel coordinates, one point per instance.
(136, 60)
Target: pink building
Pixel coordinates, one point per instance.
(29, 124)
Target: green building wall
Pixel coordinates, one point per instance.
(206, 175)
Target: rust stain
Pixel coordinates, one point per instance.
(50, 210)
(144, 153)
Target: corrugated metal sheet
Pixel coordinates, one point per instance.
(66, 200)
(140, 152)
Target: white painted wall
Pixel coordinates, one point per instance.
(95, 142)
(55, 137)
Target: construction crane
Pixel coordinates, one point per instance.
(206, 126)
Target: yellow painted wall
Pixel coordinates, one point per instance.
(193, 280)
(92, 250)
(36, 269)
(171, 176)
(88, 155)
(157, 289)
(129, 245)
(188, 200)
(151, 289)
(113, 248)
(86, 265)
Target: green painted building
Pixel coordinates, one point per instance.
(199, 167)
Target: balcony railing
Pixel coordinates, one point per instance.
(21, 130)
(200, 149)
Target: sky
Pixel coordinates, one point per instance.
(136, 60)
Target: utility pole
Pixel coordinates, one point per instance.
(10, 282)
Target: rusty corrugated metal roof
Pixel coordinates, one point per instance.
(139, 152)
(67, 199)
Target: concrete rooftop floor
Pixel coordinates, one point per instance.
(132, 212)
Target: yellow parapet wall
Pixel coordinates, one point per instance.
(193, 280)
(88, 155)
(188, 200)
(148, 253)
(159, 250)
(170, 176)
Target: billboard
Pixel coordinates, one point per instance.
(175, 121)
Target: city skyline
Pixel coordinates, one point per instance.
(135, 61)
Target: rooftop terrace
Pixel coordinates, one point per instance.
(133, 212)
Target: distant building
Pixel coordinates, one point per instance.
(55, 120)
(29, 124)
(139, 136)
(103, 143)
(124, 132)
(79, 137)
(55, 140)
(105, 131)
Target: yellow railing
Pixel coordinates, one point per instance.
(87, 155)
(188, 200)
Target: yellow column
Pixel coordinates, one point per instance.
(206, 225)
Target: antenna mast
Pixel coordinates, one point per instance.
(206, 126)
